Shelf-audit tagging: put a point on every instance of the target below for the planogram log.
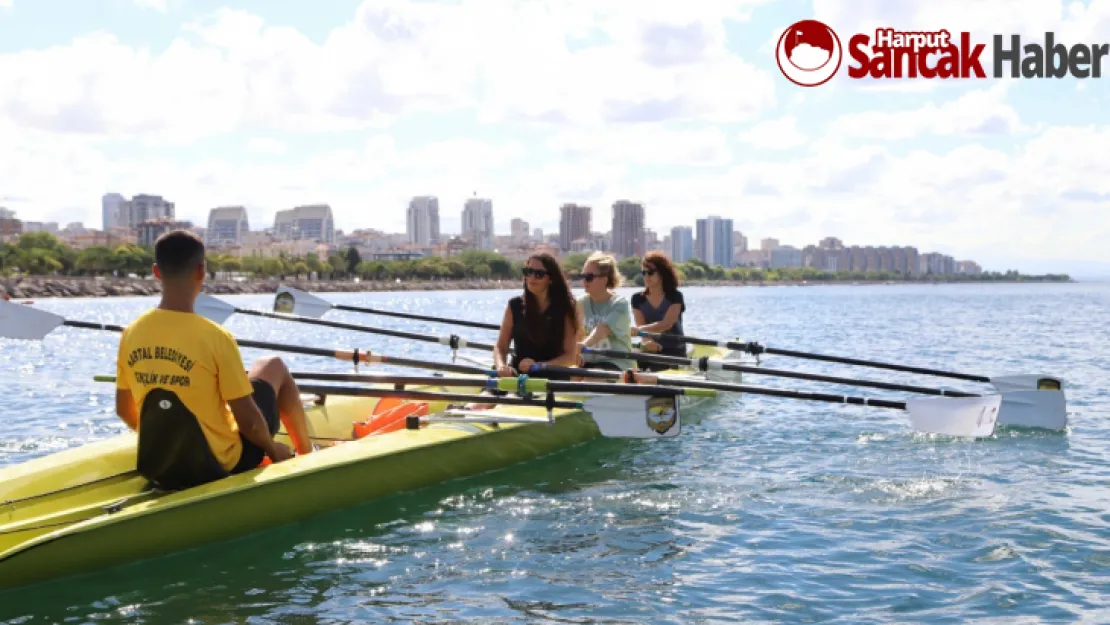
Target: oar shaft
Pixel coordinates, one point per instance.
(729, 387)
(401, 315)
(324, 390)
(753, 390)
(526, 384)
(755, 349)
(451, 341)
(706, 364)
(340, 354)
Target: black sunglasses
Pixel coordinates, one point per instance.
(649, 272)
(538, 273)
(589, 277)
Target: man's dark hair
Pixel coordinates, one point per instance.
(178, 253)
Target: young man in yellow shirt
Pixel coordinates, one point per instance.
(181, 384)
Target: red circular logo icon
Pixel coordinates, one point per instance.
(809, 53)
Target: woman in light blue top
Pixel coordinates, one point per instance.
(606, 315)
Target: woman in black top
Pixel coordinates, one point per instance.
(542, 323)
(659, 307)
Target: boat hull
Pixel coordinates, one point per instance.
(86, 509)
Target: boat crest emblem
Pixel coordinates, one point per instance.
(662, 414)
(284, 303)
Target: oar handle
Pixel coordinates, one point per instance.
(452, 341)
(389, 313)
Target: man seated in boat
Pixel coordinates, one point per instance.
(541, 323)
(606, 315)
(181, 384)
(659, 308)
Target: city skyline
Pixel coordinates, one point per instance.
(312, 229)
(679, 109)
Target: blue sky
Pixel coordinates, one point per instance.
(681, 107)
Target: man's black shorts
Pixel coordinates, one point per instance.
(266, 397)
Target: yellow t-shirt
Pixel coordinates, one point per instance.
(196, 359)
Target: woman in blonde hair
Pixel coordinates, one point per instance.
(606, 315)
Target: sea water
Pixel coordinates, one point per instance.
(766, 510)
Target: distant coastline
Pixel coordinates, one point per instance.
(41, 287)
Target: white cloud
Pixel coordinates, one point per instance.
(268, 146)
(979, 112)
(775, 134)
(648, 145)
(507, 59)
(157, 5)
(102, 115)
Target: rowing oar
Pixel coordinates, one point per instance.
(1028, 400)
(707, 363)
(1002, 383)
(296, 301)
(967, 416)
(219, 310)
(522, 385)
(28, 323)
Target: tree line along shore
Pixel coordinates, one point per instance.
(40, 265)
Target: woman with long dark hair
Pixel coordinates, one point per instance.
(541, 323)
(659, 308)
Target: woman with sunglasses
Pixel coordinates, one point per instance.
(606, 315)
(541, 323)
(659, 307)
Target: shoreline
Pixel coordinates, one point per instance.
(37, 287)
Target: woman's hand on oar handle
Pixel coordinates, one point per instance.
(505, 371)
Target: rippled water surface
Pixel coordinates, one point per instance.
(767, 510)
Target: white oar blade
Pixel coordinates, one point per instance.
(25, 322)
(955, 416)
(635, 416)
(1034, 409)
(211, 308)
(1027, 382)
(298, 302)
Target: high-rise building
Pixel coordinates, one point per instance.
(147, 232)
(477, 222)
(147, 208)
(226, 226)
(739, 246)
(574, 224)
(786, 256)
(714, 242)
(519, 230)
(115, 211)
(313, 222)
(628, 228)
(682, 242)
(423, 220)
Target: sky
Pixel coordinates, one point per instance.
(680, 106)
